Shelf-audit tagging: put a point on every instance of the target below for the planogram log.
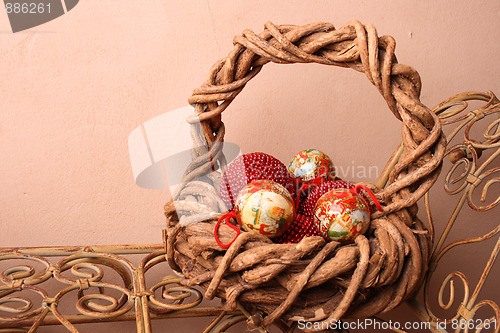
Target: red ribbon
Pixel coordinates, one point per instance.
(356, 190)
(227, 217)
(304, 187)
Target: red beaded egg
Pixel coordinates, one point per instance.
(247, 168)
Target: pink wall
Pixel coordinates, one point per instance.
(74, 88)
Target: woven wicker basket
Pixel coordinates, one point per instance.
(311, 280)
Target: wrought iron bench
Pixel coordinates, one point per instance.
(131, 282)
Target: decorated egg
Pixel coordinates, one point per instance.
(311, 164)
(341, 215)
(264, 206)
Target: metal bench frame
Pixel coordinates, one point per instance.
(26, 304)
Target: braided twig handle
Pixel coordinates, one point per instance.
(356, 46)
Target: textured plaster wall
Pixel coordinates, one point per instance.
(74, 88)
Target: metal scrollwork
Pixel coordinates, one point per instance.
(173, 296)
(107, 287)
(475, 166)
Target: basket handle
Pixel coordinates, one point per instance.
(355, 46)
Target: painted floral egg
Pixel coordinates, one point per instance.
(310, 164)
(342, 215)
(266, 207)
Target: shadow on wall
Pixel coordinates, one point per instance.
(161, 151)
